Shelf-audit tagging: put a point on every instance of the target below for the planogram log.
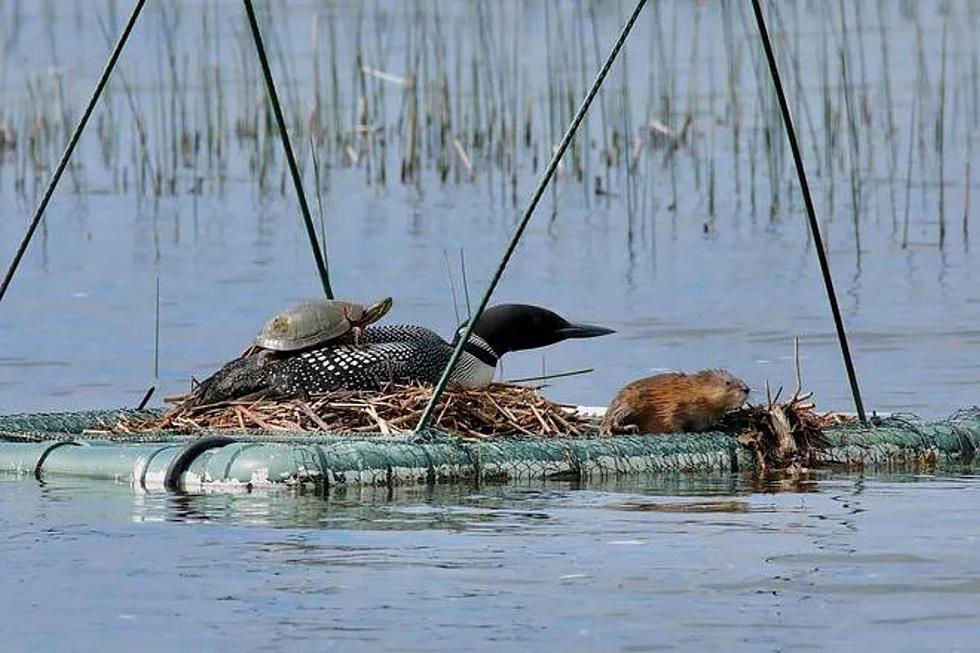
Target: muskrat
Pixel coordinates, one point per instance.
(674, 402)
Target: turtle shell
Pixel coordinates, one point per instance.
(316, 322)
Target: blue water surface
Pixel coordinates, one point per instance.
(832, 562)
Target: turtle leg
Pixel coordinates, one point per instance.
(356, 326)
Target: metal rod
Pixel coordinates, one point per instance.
(810, 212)
(528, 211)
(70, 148)
(146, 397)
(318, 255)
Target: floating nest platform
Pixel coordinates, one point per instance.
(780, 435)
(360, 439)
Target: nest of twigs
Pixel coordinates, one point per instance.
(499, 409)
(782, 435)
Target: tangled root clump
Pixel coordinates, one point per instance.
(782, 435)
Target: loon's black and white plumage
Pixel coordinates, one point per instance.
(394, 354)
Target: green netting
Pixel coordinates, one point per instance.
(358, 459)
(47, 426)
(902, 440)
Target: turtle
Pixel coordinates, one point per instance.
(316, 322)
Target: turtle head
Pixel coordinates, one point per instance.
(362, 316)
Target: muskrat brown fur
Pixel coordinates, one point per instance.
(674, 402)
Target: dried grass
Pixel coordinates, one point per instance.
(497, 410)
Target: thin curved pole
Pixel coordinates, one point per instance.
(549, 172)
(811, 214)
(318, 255)
(70, 148)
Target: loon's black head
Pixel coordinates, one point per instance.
(512, 327)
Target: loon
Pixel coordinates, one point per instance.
(396, 354)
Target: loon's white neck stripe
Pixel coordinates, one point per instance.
(471, 372)
(481, 349)
(483, 344)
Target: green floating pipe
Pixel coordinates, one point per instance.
(54, 444)
(351, 461)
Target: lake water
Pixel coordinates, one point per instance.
(653, 563)
(688, 283)
(699, 258)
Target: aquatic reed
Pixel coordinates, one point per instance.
(453, 94)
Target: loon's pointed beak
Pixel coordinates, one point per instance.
(583, 331)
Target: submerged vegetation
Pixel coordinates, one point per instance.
(448, 93)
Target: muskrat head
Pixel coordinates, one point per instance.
(722, 387)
